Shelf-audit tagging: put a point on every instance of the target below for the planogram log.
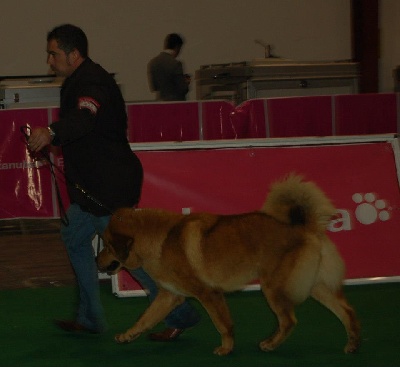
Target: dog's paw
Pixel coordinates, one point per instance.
(125, 338)
(352, 346)
(121, 338)
(222, 351)
(267, 346)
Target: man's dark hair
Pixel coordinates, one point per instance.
(172, 41)
(69, 37)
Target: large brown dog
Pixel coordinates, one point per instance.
(204, 255)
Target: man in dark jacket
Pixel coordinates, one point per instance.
(101, 171)
(165, 73)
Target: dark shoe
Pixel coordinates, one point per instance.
(167, 335)
(73, 326)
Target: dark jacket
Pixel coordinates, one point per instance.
(165, 75)
(92, 133)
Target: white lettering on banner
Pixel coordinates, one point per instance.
(23, 165)
(342, 222)
(35, 164)
(60, 162)
(369, 210)
(186, 210)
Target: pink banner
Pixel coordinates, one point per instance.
(360, 114)
(25, 180)
(300, 116)
(158, 122)
(361, 180)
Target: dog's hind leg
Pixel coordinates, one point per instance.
(217, 308)
(283, 308)
(336, 302)
(289, 286)
(162, 305)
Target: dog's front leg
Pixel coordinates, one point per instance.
(162, 305)
(215, 304)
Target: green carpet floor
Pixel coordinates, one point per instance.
(29, 338)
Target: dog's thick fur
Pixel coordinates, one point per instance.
(204, 255)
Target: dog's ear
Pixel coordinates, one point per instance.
(122, 246)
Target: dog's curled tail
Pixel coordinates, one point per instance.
(295, 201)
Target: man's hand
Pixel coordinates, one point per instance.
(39, 138)
(188, 78)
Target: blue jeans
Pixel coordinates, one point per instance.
(77, 237)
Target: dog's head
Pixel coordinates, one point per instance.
(117, 253)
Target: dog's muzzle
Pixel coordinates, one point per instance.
(114, 265)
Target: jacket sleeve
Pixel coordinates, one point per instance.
(181, 83)
(150, 77)
(81, 119)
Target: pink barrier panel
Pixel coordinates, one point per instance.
(216, 121)
(361, 114)
(249, 119)
(299, 116)
(366, 230)
(125, 284)
(54, 114)
(155, 122)
(58, 161)
(232, 180)
(368, 205)
(26, 188)
(25, 181)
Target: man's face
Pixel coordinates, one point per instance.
(60, 62)
(177, 50)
